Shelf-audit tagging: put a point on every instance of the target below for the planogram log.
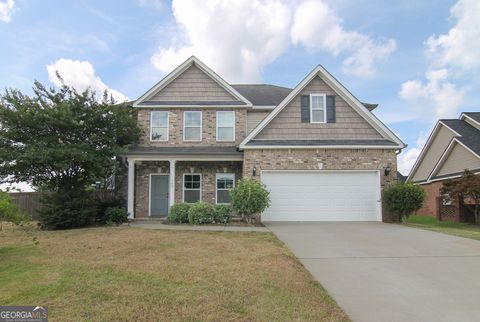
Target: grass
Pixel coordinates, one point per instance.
(452, 228)
(124, 273)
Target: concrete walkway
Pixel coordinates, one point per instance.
(159, 225)
(387, 272)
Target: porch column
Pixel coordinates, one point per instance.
(131, 189)
(171, 186)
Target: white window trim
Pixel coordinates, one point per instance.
(216, 135)
(167, 127)
(216, 187)
(201, 126)
(318, 109)
(183, 185)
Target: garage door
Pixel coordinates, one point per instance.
(322, 196)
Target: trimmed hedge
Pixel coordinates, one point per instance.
(116, 215)
(222, 214)
(179, 213)
(201, 213)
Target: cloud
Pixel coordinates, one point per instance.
(6, 10)
(451, 57)
(436, 98)
(238, 37)
(317, 27)
(460, 47)
(407, 159)
(80, 75)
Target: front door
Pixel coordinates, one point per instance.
(159, 195)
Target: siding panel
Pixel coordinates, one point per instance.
(193, 85)
(349, 124)
(254, 118)
(459, 160)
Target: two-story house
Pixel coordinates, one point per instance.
(321, 152)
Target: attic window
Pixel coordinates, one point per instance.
(317, 108)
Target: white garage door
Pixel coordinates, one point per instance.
(322, 195)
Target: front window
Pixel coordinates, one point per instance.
(225, 126)
(159, 126)
(317, 108)
(192, 126)
(192, 188)
(225, 182)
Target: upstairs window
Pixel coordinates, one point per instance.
(159, 126)
(317, 108)
(192, 126)
(225, 126)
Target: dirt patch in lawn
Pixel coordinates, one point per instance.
(123, 273)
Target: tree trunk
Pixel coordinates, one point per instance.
(477, 214)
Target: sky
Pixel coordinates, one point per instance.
(419, 60)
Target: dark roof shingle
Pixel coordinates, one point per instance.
(469, 135)
(263, 94)
(339, 142)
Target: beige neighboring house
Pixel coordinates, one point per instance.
(321, 152)
(453, 146)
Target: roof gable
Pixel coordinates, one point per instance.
(336, 86)
(192, 84)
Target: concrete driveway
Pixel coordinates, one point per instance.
(387, 272)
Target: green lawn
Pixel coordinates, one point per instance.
(451, 228)
(125, 274)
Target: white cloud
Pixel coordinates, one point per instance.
(6, 10)
(460, 47)
(80, 75)
(407, 159)
(317, 27)
(436, 98)
(451, 57)
(239, 37)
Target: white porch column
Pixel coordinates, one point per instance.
(171, 192)
(131, 189)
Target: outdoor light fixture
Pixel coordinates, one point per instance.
(254, 170)
(387, 170)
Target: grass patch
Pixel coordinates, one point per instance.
(122, 273)
(452, 228)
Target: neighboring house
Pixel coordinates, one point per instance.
(320, 151)
(453, 146)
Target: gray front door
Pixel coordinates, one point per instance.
(159, 195)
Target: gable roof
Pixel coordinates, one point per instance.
(465, 134)
(473, 115)
(341, 91)
(143, 100)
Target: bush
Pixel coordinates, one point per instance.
(403, 199)
(67, 209)
(200, 213)
(179, 213)
(222, 214)
(9, 211)
(103, 201)
(250, 198)
(116, 215)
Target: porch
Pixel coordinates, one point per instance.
(160, 177)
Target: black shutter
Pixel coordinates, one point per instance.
(305, 108)
(330, 108)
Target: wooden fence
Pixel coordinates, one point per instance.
(29, 202)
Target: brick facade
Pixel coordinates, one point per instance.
(430, 205)
(208, 170)
(209, 127)
(324, 159)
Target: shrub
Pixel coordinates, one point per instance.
(116, 215)
(222, 214)
(67, 209)
(179, 213)
(9, 211)
(103, 201)
(250, 198)
(403, 199)
(200, 213)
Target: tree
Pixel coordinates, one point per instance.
(403, 199)
(9, 211)
(467, 189)
(62, 140)
(250, 198)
